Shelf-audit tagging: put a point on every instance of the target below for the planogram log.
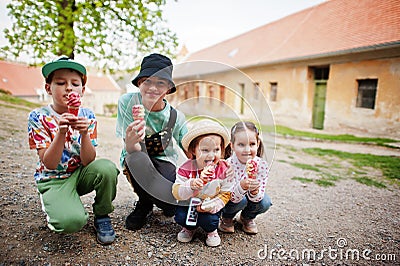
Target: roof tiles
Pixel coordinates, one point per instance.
(23, 80)
(329, 27)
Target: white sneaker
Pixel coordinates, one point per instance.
(213, 239)
(185, 235)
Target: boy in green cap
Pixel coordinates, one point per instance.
(65, 144)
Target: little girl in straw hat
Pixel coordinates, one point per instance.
(202, 176)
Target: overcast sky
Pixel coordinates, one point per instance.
(203, 23)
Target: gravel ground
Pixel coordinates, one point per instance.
(345, 224)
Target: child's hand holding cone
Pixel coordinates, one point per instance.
(74, 102)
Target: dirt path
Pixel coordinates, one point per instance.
(345, 224)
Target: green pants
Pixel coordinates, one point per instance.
(61, 197)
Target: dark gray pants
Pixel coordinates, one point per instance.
(152, 180)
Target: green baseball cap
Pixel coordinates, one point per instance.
(64, 62)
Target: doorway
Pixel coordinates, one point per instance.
(321, 75)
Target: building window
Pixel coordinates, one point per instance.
(273, 91)
(222, 94)
(185, 93)
(256, 90)
(197, 93)
(321, 73)
(366, 93)
(211, 91)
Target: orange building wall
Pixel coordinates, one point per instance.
(296, 92)
(342, 91)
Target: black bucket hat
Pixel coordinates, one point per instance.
(156, 65)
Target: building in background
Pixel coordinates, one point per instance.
(335, 65)
(27, 82)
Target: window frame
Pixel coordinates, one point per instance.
(366, 93)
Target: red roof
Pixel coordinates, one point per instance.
(336, 25)
(23, 80)
(19, 79)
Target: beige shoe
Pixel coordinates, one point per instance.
(185, 235)
(226, 225)
(248, 226)
(213, 239)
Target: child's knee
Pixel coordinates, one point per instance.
(180, 215)
(266, 203)
(107, 172)
(106, 167)
(68, 224)
(263, 205)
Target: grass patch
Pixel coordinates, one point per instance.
(291, 148)
(369, 182)
(336, 165)
(341, 138)
(283, 130)
(330, 177)
(17, 101)
(324, 183)
(303, 179)
(358, 172)
(389, 165)
(17, 107)
(306, 166)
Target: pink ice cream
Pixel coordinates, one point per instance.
(138, 112)
(251, 168)
(74, 101)
(207, 173)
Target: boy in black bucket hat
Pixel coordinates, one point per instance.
(156, 65)
(149, 155)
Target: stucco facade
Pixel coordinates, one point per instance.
(27, 82)
(247, 93)
(333, 66)
(342, 89)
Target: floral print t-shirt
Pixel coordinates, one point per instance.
(42, 128)
(240, 173)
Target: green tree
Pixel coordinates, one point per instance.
(110, 34)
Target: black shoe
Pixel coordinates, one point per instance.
(169, 212)
(137, 219)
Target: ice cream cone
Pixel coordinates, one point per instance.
(207, 173)
(251, 168)
(138, 112)
(74, 101)
(73, 110)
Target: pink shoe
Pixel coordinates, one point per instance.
(226, 225)
(185, 235)
(213, 239)
(248, 226)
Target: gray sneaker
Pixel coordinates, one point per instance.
(104, 230)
